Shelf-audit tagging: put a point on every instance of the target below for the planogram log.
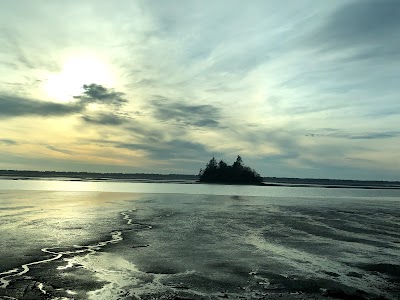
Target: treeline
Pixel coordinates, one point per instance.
(221, 172)
(93, 175)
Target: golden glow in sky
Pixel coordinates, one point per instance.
(77, 71)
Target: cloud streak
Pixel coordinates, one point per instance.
(14, 106)
(8, 142)
(363, 23)
(173, 149)
(105, 119)
(167, 110)
(63, 151)
(359, 136)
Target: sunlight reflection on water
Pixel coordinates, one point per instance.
(195, 189)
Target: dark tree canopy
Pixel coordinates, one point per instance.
(221, 172)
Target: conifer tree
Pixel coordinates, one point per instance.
(221, 172)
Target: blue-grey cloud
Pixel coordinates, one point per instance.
(320, 169)
(201, 115)
(354, 136)
(64, 151)
(376, 135)
(145, 133)
(8, 142)
(174, 149)
(384, 111)
(12, 106)
(95, 93)
(372, 24)
(113, 115)
(105, 119)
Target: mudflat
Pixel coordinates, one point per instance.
(92, 245)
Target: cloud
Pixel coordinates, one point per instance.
(174, 149)
(202, 115)
(8, 142)
(105, 119)
(20, 57)
(107, 99)
(376, 135)
(12, 45)
(95, 93)
(145, 132)
(64, 151)
(13, 106)
(368, 23)
(355, 136)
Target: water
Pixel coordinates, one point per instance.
(110, 240)
(206, 189)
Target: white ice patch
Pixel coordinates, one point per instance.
(314, 265)
(120, 274)
(69, 292)
(116, 236)
(41, 288)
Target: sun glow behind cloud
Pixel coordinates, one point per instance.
(77, 71)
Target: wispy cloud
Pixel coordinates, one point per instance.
(12, 106)
(368, 24)
(356, 136)
(168, 110)
(64, 151)
(8, 142)
(105, 119)
(173, 149)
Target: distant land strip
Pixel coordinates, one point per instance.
(188, 178)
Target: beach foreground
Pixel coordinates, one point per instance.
(90, 245)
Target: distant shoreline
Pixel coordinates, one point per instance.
(190, 179)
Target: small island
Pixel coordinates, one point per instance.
(221, 172)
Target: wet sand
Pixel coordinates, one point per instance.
(88, 245)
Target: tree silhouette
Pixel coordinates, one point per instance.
(238, 164)
(221, 172)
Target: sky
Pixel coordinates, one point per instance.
(298, 88)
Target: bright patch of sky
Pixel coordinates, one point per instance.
(297, 88)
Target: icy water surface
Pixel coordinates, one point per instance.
(290, 243)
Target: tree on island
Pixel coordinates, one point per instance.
(221, 172)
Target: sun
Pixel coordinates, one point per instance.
(76, 72)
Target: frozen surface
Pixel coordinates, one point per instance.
(99, 245)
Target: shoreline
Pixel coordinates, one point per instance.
(276, 183)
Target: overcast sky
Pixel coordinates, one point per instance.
(297, 88)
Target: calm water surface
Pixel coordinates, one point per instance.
(194, 189)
